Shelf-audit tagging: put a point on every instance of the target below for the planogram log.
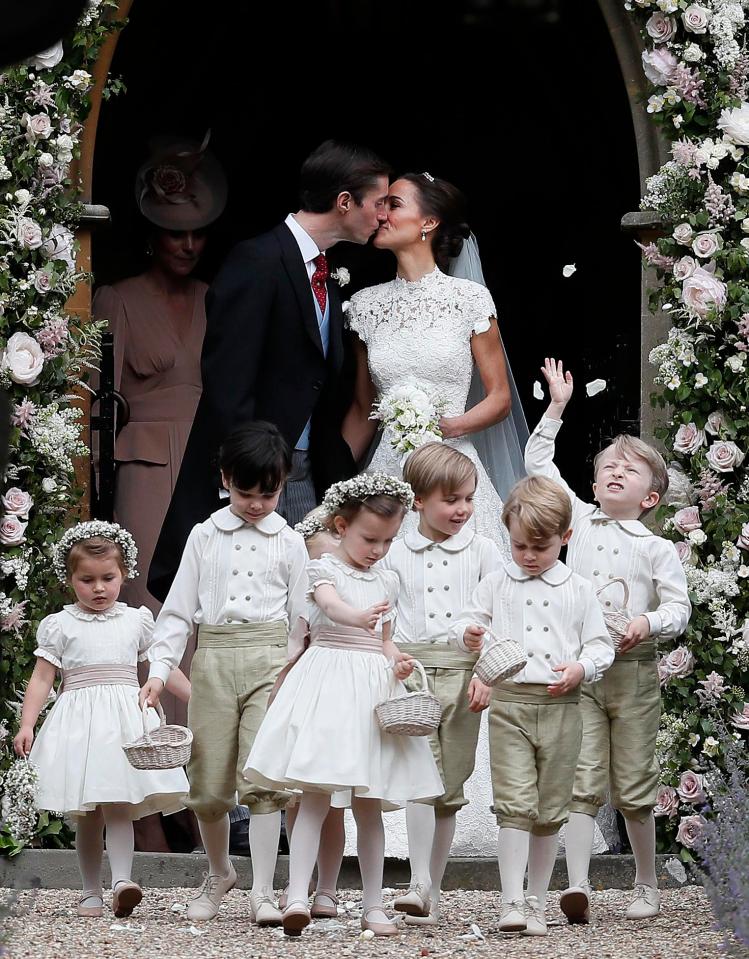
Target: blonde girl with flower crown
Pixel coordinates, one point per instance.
(320, 735)
(83, 771)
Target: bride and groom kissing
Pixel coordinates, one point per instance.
(277, 346)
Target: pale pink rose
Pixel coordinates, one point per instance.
(684, 268)
(741, 720)
(28, 233)
(695, 18)
(691, 788)
(715, 423)
(43, 281)
(679, 662)
(688, 439)
(38, 127)
(660, 27)
(690, 830)
(59, 245)
(659, 65)
(167, 180)
(702, 292)
(12, 530)
(685, 553)
(687, 519)
(706, 244)
(17, 502)
(683, 234)
(664, 673)
(724, 456)
(666, 802)
(743, 540)
(23, 358)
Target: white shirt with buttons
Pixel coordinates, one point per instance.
(555, 617)
(602, 549)
(437, 580)
(231, 572)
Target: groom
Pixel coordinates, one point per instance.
(274, 347)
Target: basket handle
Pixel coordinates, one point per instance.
(625, 587)
(422, 673)
(144, 716)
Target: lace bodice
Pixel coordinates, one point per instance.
(423, 329)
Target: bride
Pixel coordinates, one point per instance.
(436, 328)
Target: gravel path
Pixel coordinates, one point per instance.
(46, 927)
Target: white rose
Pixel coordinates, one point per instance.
(692, 53)
(684, 268)
(737, 362)
(698, 537)
(683, 234)
(745, 243)
(724, 456)
(38, 127)
(79, 80)
(28, 233)
(23, 358)
(22, 198)
(48, 58)
(660, 27)
(711, 747)
(64, 145)
(706, 244)
(49, 485)
(740, 183)
(407, 419)
(46, 160)
(695, 18)
(59, 245)
(734, 122)
(659, 65)
(688, 439)
(702, 292)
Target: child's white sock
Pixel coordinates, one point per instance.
(370, 848)
(120, 842)
(420, 825)
(642, 840)
(578, 845)
(512, 852)
(542, 855)
(444, 830)
(215, 836)
(330, 854)
(264, 834)
(305, 843)
(89, 846)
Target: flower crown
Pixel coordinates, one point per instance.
(96, 527)
(364, 485)
(310, 527)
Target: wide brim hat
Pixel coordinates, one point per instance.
(181, 186)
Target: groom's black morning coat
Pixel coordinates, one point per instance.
(262, 360)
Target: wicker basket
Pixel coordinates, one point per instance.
(164, 748)
(415, 714)
(617, 619)
(500, 660)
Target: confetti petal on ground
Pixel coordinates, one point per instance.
(117, 927)
(178, 907)
(197, 932)
(538, 392)
(676, 868)
(595, 387)
(568, 270)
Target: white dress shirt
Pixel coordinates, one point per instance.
(555, 616)
(307, 246)
(437, 580)
(602, 548)
(231, 572)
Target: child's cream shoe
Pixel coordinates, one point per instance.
(575, 903)
(512, 917)
(415, 902)
(535, 918)
(646, 903)
(205, 905)
(263, 911)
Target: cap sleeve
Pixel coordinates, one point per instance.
(391, 582)
(356, 318)
(50, 641)
(481, 309)
(320, 572)
(145, 617)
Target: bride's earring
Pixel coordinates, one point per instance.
(423, 235)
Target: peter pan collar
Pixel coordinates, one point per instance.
(88, 616)
(349, 570)
(453, 544)
(229, 522)
(558, 574)
(633, 526)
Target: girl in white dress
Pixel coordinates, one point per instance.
(82, 768)
(320, 734)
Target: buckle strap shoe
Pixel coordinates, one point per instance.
(378, 928)
(125, 897)
(295, 917)
(324, 904)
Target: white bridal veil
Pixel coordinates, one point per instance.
(500, 447)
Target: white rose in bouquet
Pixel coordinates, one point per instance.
(659, 65)
(683, 234)
(23, 358)
(684, 268)
(695, 18)
(702, 292)
(734, 122)
(706, 244)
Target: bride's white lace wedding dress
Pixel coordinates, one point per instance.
(422, 330)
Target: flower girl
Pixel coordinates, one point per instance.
(83, 770)
(320, 734)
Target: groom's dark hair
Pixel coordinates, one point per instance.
(336, 167)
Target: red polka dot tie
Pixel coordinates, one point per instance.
(319, 277)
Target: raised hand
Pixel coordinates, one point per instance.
(560, 385)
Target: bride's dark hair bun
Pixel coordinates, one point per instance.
(446, 203)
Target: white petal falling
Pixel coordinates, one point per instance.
(595, 387)
(538, 393)
(568, 270)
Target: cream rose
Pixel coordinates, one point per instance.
(679, 662)
(706, 244)
(17, 502)
(659, 65)
(666, 802)
(12, 530)
(660, 27)
(724, 456)
(683, 234)
(59, 245)
(79, 80)
(684, 268)
(23, 358)
(38, 127)
(688, 439)
(697, 536)
(687, 519)
(28, 233)
(734, 122)
(702, 292)
(690, 830)
(691, 788)
(695, 18)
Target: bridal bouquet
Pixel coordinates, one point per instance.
(410, 416)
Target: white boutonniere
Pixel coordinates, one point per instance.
(342, 275)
